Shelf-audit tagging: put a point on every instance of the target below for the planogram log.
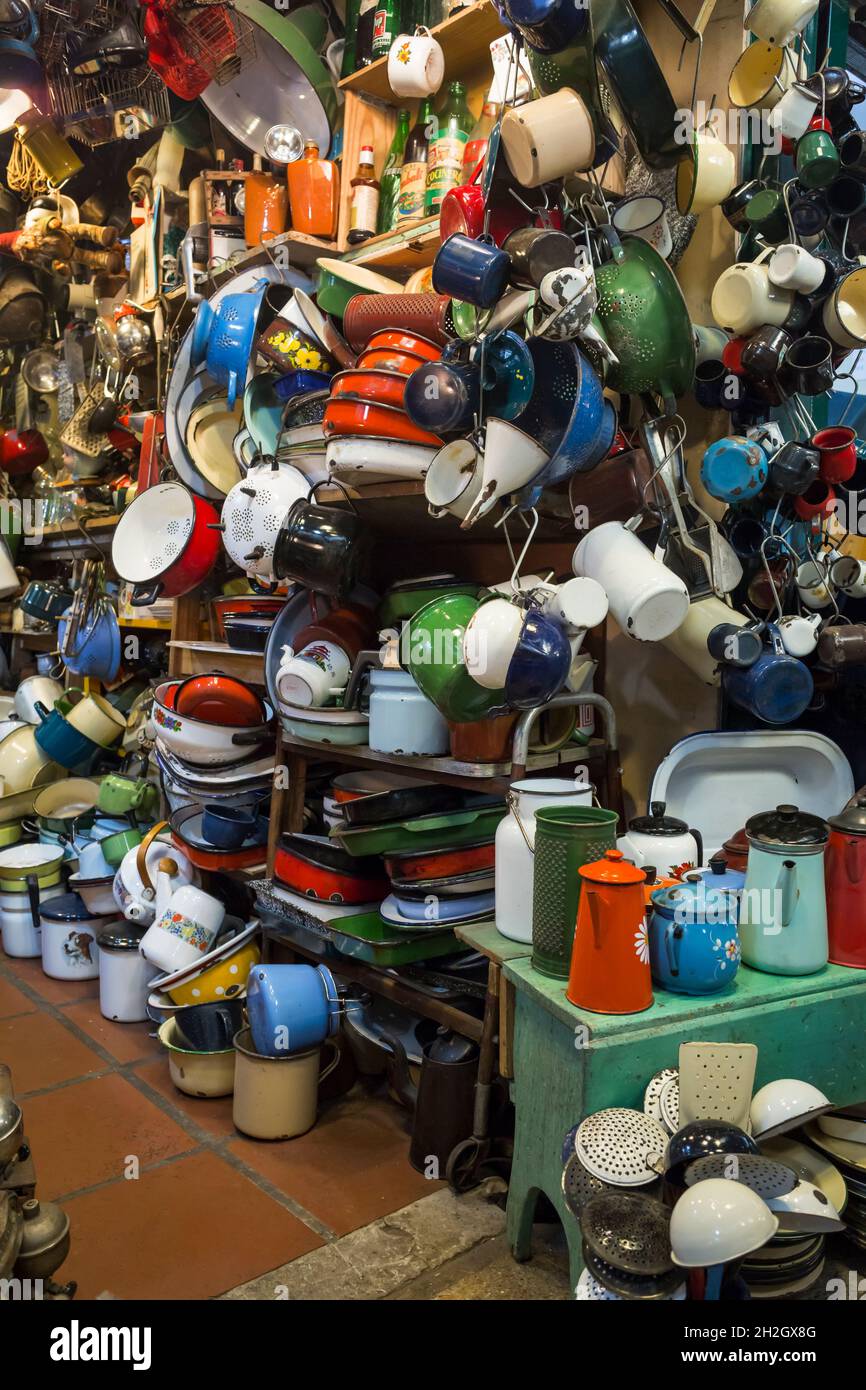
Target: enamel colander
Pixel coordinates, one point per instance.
(763, 1175)
(630, 1232)
(617, 1145)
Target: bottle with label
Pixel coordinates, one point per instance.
(314, 193)
(386, 27)
(389, 185)
(479, 138)
(413, 175)
(445, 162)
(365, 199)
(364, 36)
(266, 205)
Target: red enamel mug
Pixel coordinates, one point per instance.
(838, 448)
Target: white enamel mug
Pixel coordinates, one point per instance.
(777, 21)
(710, 343)
(314, 675)
(645, 216)
(744, 297)
(490, 640)
(812, 585)
(416, 65)
(849, 575)
(453, 480)
(578, 604)
(844, 315)
(799, 634)
(707, 178)
(793, 268)
(791, 116)
(548, 138)
(648, 600)
(560, 288)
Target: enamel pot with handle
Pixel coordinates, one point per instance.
(783, 914)
(845, 877)
(693, 940)
(165, 544)
(663, 841)
(610, 961)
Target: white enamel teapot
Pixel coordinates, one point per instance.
(663, 841)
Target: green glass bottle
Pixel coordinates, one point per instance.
(353, 12)
(389, 190)
(413, 174)
(386, 27)
(445, 162)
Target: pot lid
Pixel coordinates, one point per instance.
(657, 823)
(449, 1046)
(697, 898)
(67, 908)
(786, 825)
(120, 936)
(852, 817)
(613, 868)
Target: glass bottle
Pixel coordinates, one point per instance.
(445, 161)
(353, 12)
(364, 37)
(389, 184)
(365, 198)
(314, 193)
(386, 26)
(479, 138)
(413, 175)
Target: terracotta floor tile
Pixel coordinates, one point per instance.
(55, 991)
(12, 1001)
(349, 1170)
(191, 1229)
(214, 1116)
(42, 1053)
(128, 1042)
(83, 1134)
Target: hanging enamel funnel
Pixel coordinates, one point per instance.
(511, 460)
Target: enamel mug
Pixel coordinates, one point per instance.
(416, 65)
(710, 343)
(476, 271)
(777, 21)
(744, 297)
(799, 634)
(647, 599)
(817, 159)
(812, 585)
(793, 268)
(734, 469)
(708, 176)
(849, 575)
(645, 216)
(313, 676)
(844, 314)
(548, 138)
(791, 116)
(454, 479)
(186, 930)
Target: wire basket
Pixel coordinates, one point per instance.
(218, 39)
(109, 106)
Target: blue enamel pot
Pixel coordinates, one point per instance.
(62, 743)
(693, 938)
(734, 469)
(540, 663)
(95, 650)
(291, 1007)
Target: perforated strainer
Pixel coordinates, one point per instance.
(589, 1290)
(629, 1231)
(716, 1081)
(669, 1105)
(617, 1145)
(652, 1094)
(634, 1286)
(579, 1185)
(763, 1175)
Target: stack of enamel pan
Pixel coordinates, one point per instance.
(369, 435)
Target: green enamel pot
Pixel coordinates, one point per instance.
(432, 649)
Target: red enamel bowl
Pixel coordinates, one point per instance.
(386, 387)
(390, 360)
(355, 416)
(405, 342)
(218, 699)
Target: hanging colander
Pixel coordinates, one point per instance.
(630, 1232)
(763, 1175)
(567, 413)
(617, 1145)
(644, 319)
(254, 511)
(579, 1185)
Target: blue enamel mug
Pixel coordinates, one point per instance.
(776, 689)
(734, 469)
(693, 939)
(58, 740)
(443, 396)
(475, 271)
(291, 1007)
(548, 26)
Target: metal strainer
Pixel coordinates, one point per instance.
(763, 1175)
(652, 1094)
(633, 1286)
(589, 1290)
(579, 1185)
(629, 1231)
(669, 1105)
(617, 1145)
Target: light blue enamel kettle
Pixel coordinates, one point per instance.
(693, 942)
(783, 914)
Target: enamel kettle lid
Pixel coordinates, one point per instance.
(657, 823)
(786, 825)
(852, 818)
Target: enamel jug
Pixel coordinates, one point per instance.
(515, 847)
(846, 885)
(662, 840)
(693, 940)
(783, 914)
(610, 961)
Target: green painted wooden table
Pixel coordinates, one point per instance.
(568, 1065)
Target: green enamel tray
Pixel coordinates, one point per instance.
(369, 937)
(421, 833)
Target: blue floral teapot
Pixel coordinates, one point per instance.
(693, 937)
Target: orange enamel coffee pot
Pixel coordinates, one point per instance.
(610, 963)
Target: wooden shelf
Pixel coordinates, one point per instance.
(303, 252)
(465, 38)
(410, 248)
(200, 658)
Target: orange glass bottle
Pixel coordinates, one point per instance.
(266, 205)
(314, 193)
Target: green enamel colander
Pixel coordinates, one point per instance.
(643, 316)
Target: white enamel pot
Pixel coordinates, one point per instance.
(744, 297)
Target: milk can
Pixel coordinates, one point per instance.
(123, 974)
(515, 847)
